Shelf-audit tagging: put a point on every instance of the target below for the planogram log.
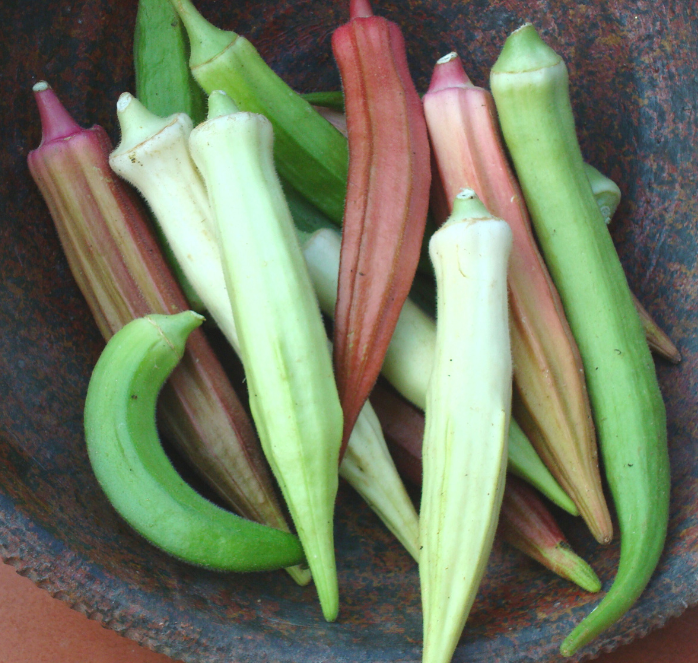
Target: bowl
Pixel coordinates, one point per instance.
(634, 91)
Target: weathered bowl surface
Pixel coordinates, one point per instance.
(635, 92)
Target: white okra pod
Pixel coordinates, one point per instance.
(467, 419)
(283, 344)
(154, 157)
(410, 358)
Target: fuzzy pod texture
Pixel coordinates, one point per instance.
(467, 419)
(283, 344)
(135, 472)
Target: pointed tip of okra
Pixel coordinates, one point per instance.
(448, 73)
(219, 104)
(137, 123)
(360, 9)
(523, 51)
(579, 572)
(176, 328)
(205, 39)
(56, 122)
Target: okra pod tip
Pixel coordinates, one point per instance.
(206, 41)
(219, 104)
(56, 122)
(137, 122)
(524, 51)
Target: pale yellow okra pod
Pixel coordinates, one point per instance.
(467, 419)
(283, 344)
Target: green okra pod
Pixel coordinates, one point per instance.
(164, 83)
(531, 90)
(311, 155)
(283, 344)
(134, 471)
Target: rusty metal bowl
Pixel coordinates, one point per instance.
(635, 92)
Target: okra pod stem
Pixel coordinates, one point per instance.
(530, 86)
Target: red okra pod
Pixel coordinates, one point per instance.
(387, 199)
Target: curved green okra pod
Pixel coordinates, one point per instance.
(410, 358)
(311, 155)
(530, 87)
(283, 344)
(134, 471)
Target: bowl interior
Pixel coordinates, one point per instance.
(634, 91)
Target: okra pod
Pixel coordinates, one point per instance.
(164, 83)
(135, 472)
(387, 199)
(531, 89)
(527, 525)
(283, 344)
(524, 521)
(410, 357)
(467, 419)
(311, 155)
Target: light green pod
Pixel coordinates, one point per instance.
(134, 471)
(410, 358)
(467, 419)
(283, 345)
(530, 86)
(311, 155)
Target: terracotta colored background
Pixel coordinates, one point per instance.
(35, 628)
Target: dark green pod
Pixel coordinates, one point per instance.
(164, 84)
(530, 86)
(134, 471)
